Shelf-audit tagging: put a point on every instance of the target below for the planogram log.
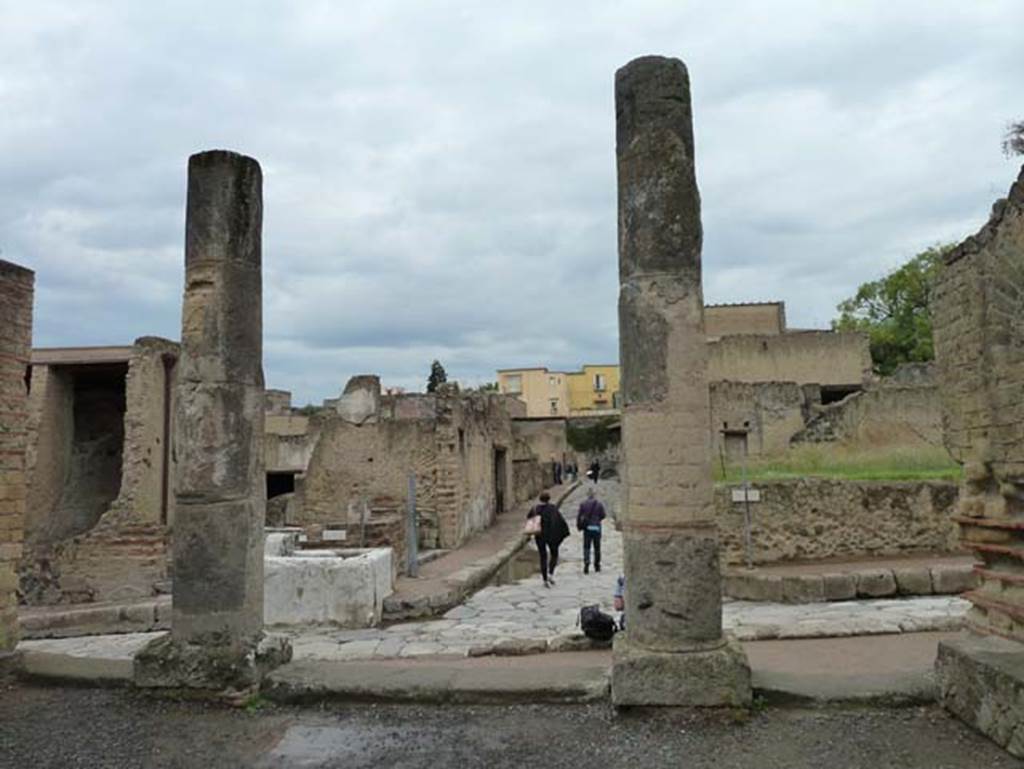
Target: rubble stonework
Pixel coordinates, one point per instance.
(673, 651)
(459, 447)
(99, 466)
(979, 345)
(16, 290)
(220, 493)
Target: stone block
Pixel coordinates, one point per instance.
(704, 678)
(876, 583)
(839, 587)
(913, 580)
(804, 588)
(948, 580)
(166, 662)
(980, 680)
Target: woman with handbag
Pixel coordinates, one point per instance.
(548, 527)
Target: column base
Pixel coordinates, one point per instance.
(702, 678)
(167, 663)
(980, 680)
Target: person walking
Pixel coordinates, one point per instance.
(588, 520)
(547, 535)
(595, 470)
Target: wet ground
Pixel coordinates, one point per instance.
(60, 727)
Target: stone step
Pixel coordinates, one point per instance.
(848, 584)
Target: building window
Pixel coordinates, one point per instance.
(514, 383)
(599, 382)
(554, 405)
(551, 381)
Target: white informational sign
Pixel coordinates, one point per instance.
(334, 535)
(753, 495)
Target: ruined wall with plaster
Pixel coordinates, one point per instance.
(883, 414)
(753, 318)
(978, 325)
(100, 466)
(16, 293)
(816, 518)
(804, 357)
(457, 445)
(771, 411)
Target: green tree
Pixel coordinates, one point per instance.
(437, 376)
(1013, 139)
(895, 313)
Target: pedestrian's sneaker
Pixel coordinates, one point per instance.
(547, 583)
(596, 567)
(551, 581)
(586, 568)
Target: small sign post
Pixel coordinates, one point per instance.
(412, 559)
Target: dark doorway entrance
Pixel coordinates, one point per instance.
(280, 483)
(500, 480)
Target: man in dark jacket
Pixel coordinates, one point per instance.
(588, 520)
(553, 529)
(595, 470)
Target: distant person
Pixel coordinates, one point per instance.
(558, 472)
(574, 469)
(595, 470)
(552, 531)
(588, 520)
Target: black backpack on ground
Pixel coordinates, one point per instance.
(595, 624)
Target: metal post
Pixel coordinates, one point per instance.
(412, 563)
(748, 544)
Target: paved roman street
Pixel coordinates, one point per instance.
(525, 617)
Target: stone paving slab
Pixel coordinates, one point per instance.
(99, 658)
(566, 679)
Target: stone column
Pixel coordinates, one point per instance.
(15, 348)
(673, 651)
(220, 484)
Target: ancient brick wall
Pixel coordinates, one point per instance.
(978, 312)
(771, 411)
(754, 318)
(816, 518)
(804, 357)
(119, 551)
(458, 446)
(16, 289)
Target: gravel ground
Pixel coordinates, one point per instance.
(69, 727)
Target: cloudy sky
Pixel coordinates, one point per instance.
(439, 177)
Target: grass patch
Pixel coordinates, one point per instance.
(830, 460)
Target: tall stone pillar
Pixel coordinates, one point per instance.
(673, 651)
(220, 484)
(16, 286)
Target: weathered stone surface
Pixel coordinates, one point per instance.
(360, 402)
(673, 594)
(219, 409)
(805, 588)
(981, 681)
(169, 663)
(876, 583)
(16, 291)
(839, 587)
(948, 580)
(710, 677)
(913, 580)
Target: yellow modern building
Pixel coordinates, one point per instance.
(592, 391)
(545, 393)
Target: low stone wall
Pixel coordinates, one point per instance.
(810, 519)
(345, 588)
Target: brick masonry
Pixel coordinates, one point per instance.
(16, 288)
(978, 310)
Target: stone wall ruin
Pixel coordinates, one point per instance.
(16, 292)
(978, 317)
